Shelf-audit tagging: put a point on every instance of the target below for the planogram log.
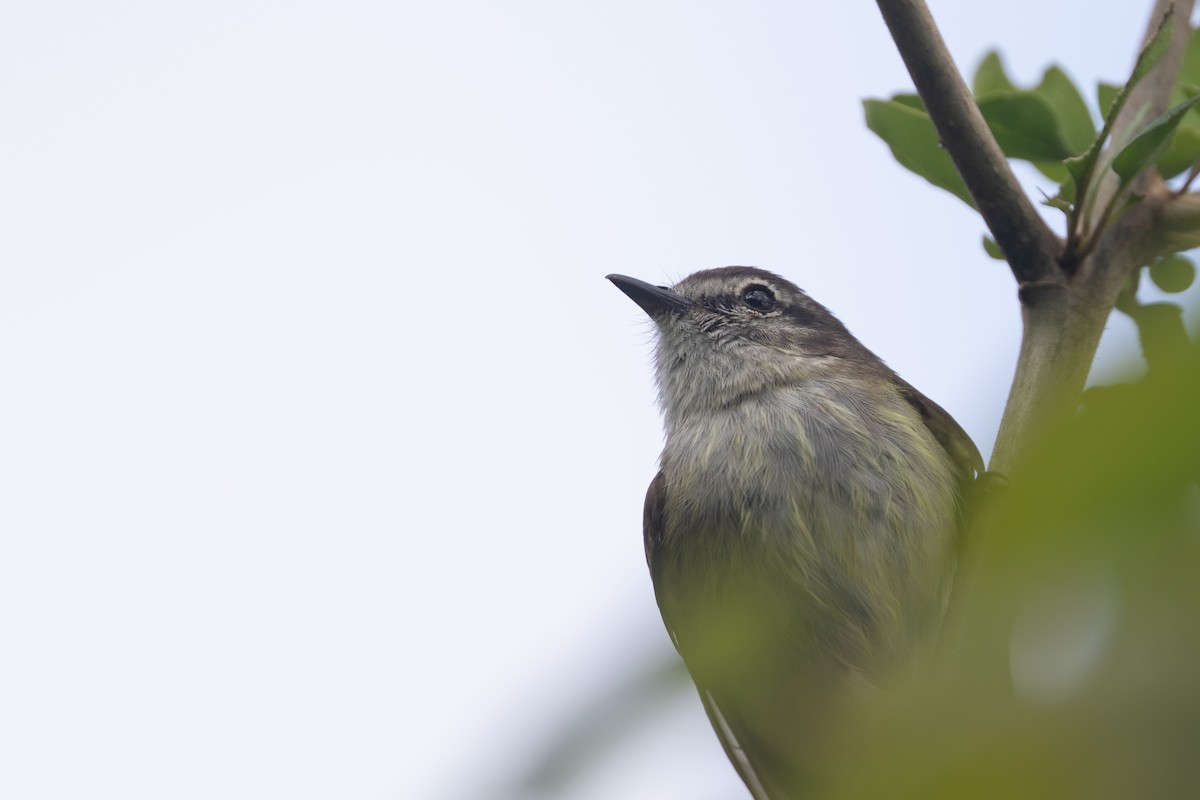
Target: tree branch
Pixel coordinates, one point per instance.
(1177, 227)
(1063, 313)
(1028, 243)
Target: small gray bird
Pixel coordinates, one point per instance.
(801, 531)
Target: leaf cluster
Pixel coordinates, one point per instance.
(1051, 126)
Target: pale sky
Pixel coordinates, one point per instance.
(323, 439)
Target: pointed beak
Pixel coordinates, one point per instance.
(654, 300)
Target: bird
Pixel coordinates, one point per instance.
(802, 530)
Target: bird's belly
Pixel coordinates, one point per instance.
(811, 522)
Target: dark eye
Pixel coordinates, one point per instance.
(760, 298)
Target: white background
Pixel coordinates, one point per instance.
(322, 437)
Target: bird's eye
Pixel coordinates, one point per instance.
(760, 298)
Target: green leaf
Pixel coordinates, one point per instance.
(990, 76)
(1025, 126)
(910, 100)
(1190, 120)
(1183, 152)
(1054, 170)
(1163, 336)
(1079, 165)
(1150, 143)
(993, 249)
(1059, 202)
(1074, 119)
(1064, 199)
(914, 143)
(1173, 274)
(1153, 52)
(1066, 189)
(1106, 93)
(1045, 124)
(1189, 69)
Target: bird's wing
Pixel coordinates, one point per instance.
(734, 750)
(652, 520)
(948, 433)
(653, 527)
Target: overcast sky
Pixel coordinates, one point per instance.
(322, 438)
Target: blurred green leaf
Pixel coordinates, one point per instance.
(990, 76)
(1025, 126)
(1181, 154)
(910, 100)
(1153, 52)
(1106, 94)
(1179, 94)
(1059, 202)
(1161, 334)
(1054, 170)
(1064, 198)
(914, 143)
(992, 249)
(1074, 119)
(1189, 68)
(1079, 167)
(1066, 190)
(1173, 274)
(1150, 142)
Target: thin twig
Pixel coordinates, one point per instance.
(1187, 183)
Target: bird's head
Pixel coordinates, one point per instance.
(730, 332)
